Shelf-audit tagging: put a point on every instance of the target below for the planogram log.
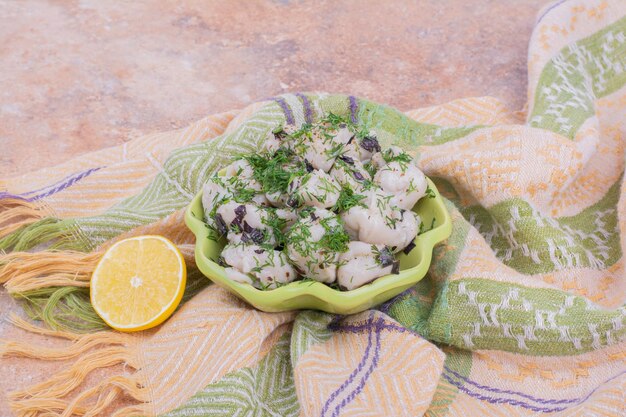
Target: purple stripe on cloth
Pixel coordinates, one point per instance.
(493, 400)
(288, 113)
(450, 375)
(52, 189)
(22, 196)
(360, 327)
(354, 108)
(308, 112)
(501, 391)
(353, 375)
(4, 195)
(47, 187)
(569, 401)
(555, 5)
(384, 308)
(369, 371)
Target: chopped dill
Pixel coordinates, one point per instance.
(335, 239)
(370, 168)
(383, 257)
(348, 199)
(335, 120)
(277, 225)
(272, 170)
(308, 280)
(430, 192)
(389, 156)
(244, 195)
(432, 226)
(335, 151)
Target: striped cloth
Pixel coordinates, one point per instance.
(522, 312)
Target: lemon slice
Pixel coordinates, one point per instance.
(138, 283)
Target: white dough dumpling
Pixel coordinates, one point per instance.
(237, 176)
(363, 263)
(288, 216)
(312, 244)
(363, 148)
(316, 189)
(243, 172)
(244, 223)
(214, 192)
(320, 147)
(405, 181)
(379, 222)
(270, 267)
(381, 158)
(272, 143)
(349, 172)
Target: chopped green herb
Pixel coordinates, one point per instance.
(432, 226)
(335, 151)
(347, 199)
(389, 156)
(244, 195)
(370, 168)
(335, 239)
(383, 257)
(273, 171)
(277, 225)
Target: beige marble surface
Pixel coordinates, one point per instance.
(77, 76)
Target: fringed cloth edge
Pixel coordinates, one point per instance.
(53, 397)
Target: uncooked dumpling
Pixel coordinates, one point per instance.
(379, 222)
(312, 244)
(363, 263)
(269, 267)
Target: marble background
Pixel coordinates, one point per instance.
(77, 76)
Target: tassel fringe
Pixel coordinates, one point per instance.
(82, 345)
(33, 234)
(62, 308)
(65, 381)
(94, 351)
(16, 214)
(24, 271)
(131, 411)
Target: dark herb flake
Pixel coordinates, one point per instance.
(409, 247)
(370, 144)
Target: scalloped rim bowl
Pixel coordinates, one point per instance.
(318, 296)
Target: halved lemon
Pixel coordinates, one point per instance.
(138, 283)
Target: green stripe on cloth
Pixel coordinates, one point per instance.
(484, 314)
(569, 84)
(309, 328)
(264, 390)
(531, 242)
(459, 361)
(394, 128)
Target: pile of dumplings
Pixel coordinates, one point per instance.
(323, 202)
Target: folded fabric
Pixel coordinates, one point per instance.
(522, 311)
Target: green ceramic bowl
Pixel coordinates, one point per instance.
(318, 296)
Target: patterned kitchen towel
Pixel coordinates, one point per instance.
(522, 312)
